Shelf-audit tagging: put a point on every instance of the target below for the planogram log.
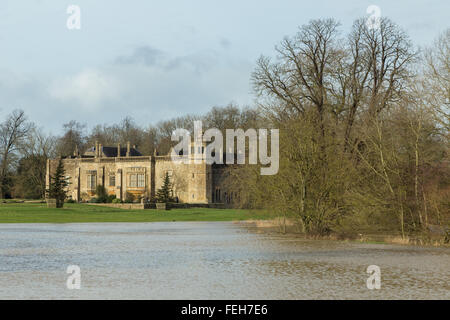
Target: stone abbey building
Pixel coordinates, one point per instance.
(123, 170)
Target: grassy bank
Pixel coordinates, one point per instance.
(374, 236)
(260, 221)
(74, 213)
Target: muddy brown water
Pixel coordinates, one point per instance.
(207, 260)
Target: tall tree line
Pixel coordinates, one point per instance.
(363, 130)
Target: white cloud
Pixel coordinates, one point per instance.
(148, 92)
(89, 88)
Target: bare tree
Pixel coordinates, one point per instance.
(12, 132)
(73, 138)
(437, 79)
(303, 75)
(377, 68)
(35, 149)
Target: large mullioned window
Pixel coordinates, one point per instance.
(141, 180)
(137, 180)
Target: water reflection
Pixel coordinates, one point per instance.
(207, 260)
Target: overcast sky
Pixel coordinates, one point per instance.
(154, 60)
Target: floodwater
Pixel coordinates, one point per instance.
(207, 260)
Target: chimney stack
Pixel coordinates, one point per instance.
(128, 148)
(118, 149)
(96, 149)
(100, 150)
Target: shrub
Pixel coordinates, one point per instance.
(129, 197)
(110, 198)
(101, 194)
(116, 201)
(84, 196)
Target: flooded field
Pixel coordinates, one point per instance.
(207, 260)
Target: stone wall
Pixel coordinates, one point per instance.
(191, 182)
(127, 206)
(142, 206)
(221, 191)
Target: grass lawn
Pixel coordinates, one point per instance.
(75, 212)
